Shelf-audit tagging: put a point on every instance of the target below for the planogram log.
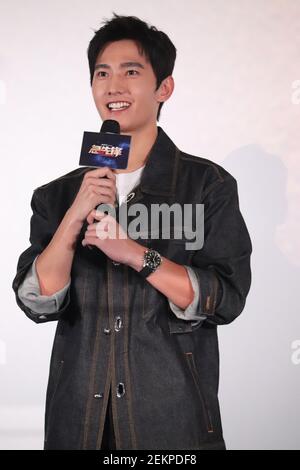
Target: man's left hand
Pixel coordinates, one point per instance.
(107, 234)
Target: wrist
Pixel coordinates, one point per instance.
(69, 230)
(135, 260)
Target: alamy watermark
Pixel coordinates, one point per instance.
(295, 357)
(3, 358)
(162, 221)
(295, 97)
(2, 92)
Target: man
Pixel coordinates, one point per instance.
(135, 357)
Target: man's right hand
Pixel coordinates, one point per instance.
(97, 187)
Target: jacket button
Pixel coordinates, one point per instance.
(98, 395)
(106, 331)
(115, 263)
(118, 323)
(129, 197)
(120, 390)
(42, 317)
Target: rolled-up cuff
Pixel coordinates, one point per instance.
(29, 293)
(190, 313)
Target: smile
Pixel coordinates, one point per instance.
(118, 106)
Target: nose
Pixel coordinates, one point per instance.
(116, 85)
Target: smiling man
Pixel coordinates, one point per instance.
(135, 362)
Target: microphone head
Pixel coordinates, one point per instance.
(110, 126)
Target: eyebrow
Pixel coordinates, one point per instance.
(123, 65)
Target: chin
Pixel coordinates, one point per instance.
(124, 127)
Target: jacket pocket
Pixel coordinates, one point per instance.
(52, 396)
(192, 367)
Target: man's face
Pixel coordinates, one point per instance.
(123, 75)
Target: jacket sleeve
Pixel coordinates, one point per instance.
(40, 236)
(222, 265)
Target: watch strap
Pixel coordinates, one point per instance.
(145, 272)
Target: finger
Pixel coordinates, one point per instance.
(89, 243)
(95, 214)
(102, 217)
(101, 235)
(97, 199)
(102, 225)
(104, 228)
(90, 228)
(99, 215)
(93, 228)
(89, 240)
(85, 243)
(110, 174)
(100, 173)
(90, 237)
(101, 190)
(90, 218)
(102, 182)
(101, 197)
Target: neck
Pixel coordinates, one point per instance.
(142, 141)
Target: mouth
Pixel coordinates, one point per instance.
(118, 106)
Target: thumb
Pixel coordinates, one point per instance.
(95, 214)
(90, 217)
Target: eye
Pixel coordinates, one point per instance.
(98, 73)
(131, 70)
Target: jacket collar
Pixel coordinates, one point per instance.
(159, 174)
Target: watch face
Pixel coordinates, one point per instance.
(153, 259)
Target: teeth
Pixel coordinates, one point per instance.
(118, 105)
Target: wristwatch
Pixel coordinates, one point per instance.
(151, 261)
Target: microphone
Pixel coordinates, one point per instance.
(105, 148)
(110, 126)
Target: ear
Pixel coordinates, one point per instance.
(165, 89)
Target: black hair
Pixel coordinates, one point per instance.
(155, 45)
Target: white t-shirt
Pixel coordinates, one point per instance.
(127, 181)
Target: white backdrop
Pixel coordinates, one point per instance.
(237, 102)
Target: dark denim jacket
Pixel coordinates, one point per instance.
(116, 330)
